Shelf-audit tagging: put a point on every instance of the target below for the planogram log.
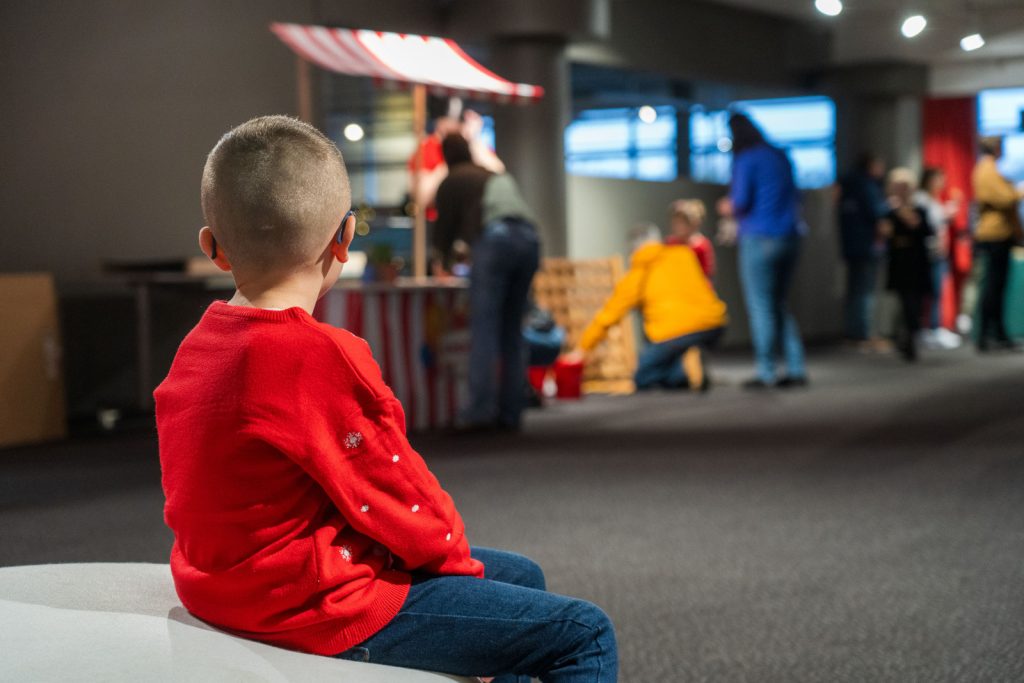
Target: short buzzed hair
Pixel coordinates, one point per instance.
(274, 189)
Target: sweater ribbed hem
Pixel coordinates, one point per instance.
(333, 636)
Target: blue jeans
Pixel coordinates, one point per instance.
(661, 364)
(766, 271)
(939, 268)
(861, 275)
(504, 625)
(505, 259)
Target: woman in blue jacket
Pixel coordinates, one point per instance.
(764, 200)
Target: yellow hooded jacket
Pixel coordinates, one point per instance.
(667, 284)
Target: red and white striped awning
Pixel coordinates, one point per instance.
(438, 63)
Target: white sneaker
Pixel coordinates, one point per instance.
(948, 340)
(964, 323)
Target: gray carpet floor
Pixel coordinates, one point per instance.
(869, 528)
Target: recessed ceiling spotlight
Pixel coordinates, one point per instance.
(647, 114)
(913, 25)
(972, 42)
(830, 8)
(353, 132)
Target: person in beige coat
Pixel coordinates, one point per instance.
(998, 229)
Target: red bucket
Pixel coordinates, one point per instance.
(569, 379)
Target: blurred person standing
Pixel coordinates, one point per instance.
(432, 167)
(861, 205)
(686, 216)
(909, 234)
(764, 200)
(998, 229)
(940, 215)
(486, 211)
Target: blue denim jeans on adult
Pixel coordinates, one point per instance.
(505, 625)
(505, 259)
(767, 265)
(661, 364)
(939, 269)
(861, 276)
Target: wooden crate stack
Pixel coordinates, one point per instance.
(573, 291)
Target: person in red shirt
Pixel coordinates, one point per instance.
(423, 188)
(302, 517)
(686, 216)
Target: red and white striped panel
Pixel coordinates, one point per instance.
(420, 339)
(438, 63)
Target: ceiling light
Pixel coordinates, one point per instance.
(914, 25)
(647, 114)
(353, 132)
(972, 42)
(829, 8)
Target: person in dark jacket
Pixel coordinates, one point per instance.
(907, 228)
(862, 206)
(486, 211)
(998, 230)
(764, 200)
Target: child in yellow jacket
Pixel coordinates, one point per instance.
(679, 306)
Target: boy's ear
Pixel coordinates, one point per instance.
(343, 238)
(213, 251)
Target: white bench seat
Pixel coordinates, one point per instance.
(123, 622)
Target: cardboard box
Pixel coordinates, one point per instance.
(31, 378)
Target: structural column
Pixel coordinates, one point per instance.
(530, 138)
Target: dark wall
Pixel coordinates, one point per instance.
(109, 108)
(702, 41)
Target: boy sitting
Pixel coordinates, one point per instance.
(302, 517)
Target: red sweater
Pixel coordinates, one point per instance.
(297, 504)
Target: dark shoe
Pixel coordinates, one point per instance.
(756, 384)
(788, 382)
(909, 351)
(1006, 344)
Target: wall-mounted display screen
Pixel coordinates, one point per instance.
(1001, 112)
(803, 126)
(626, 142)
